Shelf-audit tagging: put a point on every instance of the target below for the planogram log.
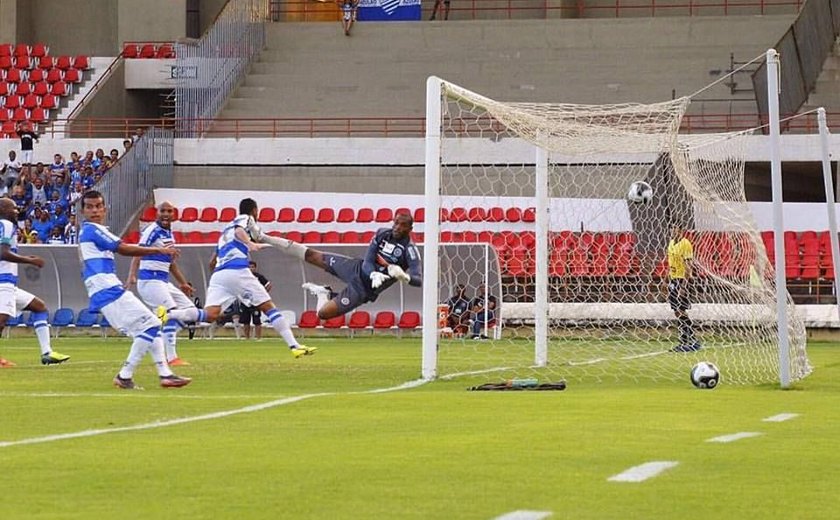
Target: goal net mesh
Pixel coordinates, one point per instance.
(608, 311)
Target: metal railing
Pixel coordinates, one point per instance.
(306, 10)
(127, 186)
(210, 68)
(375, 126)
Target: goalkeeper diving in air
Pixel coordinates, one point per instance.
(391, 257)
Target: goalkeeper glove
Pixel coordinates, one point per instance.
(377, 279)
(395, 271)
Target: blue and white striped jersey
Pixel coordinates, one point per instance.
(96, 249)
(155, 267)
(8, 237)
(230, 252)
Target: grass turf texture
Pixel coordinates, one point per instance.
(435, 451)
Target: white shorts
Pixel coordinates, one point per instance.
(158, 292)
(13, 300)
(26, 156)
(128, 315)
(229, 285)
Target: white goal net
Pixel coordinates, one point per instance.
(545, 268)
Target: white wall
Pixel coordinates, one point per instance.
(47, 146)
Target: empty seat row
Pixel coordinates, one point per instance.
(148, 50)
(41, 88)
(55, 75)
(24, 63)
(361, 320)
(8, 118)
(36, 50)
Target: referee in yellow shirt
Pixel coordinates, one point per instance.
(680, 257)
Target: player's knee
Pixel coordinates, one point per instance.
(37, 305)
(3, 319)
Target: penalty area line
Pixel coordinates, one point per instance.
(195, 418)
(524, 514)
(644, 471)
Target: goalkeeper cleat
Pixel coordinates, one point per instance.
(161, 313)
(174, 381)
(126, 384)
(5, 363)
(302, 350)
(178, 362)
(54, 358)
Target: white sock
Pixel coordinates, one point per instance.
(159, 358)
(42, 332)
(279, 323)
(186, 315)
(170, 335)
(135, 355)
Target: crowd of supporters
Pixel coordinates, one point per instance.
(45, 194)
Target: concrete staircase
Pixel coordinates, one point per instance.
(826, 92)
(310, 70)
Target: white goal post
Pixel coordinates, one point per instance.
(583, 286)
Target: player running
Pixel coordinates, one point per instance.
(13, 300)
(121, 308)
(151, 275)
(233, 280)
(391, 257)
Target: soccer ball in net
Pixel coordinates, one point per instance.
(640, 192)
(705, 375)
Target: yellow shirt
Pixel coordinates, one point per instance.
(678, 254)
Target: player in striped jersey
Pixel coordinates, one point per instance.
(14, 300)
(151, 275)
(121, 308)
(232, 279)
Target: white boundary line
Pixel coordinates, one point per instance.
(732, 437)
(524, 514)
(203, 417)
(134, 395)
(780, 417)
(644, 471)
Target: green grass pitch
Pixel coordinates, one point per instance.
(434, 451)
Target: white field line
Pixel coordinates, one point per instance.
(474, 373)
(524, 515)
(732, 437)
(782, 417)
(195, 418)
(643, 472)
(133, 395)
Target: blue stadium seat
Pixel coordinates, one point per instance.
(63, 317)
(87, 318)
(13, 321)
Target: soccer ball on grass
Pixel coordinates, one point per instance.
(705, 375)
(640, 192)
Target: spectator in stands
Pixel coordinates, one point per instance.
(38, 194)
(87, 178)
(20, 200)
(57, 165)
(11, 170)
(71, 233)
(127, 145)
(88, 159)
(27, 139)
(445, 9)
(680, 258)
(27, 234)
(39, 171)
(114, 155)
(249, 314)
(137, 135)
(458, 315)
(43, 224)
(76, 194)
(57, 236)
(483, 311)
(99, 159)
(59, 217)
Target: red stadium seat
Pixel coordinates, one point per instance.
(469, 237)
(193, 237)
(529, 215)
(367, 236)
(294, 236)
(39, 50)
(165, 51)
(420, 215)
(331, 237)
(286, 215)
(312, 237)
(6, 63)
(11, 102)
(384, 320)
(130, 51)
(444, 215)
(496, 214)
(350, 237)
(417, 237)
(179, 237)
(6, 49)
(147, 51)
(306, 215)
(24, 62)
(41, 88)
(485, 237)
(457, 215)
(30, 101)
(346, 215)
(402, 211)
(23, 89)
(325, 215)
(212, 237)
(49, 101)
(46, 63)
(227, 214)
(477, 215)
(4, 88)
(364, 215)
(308, 320)
(210, 214)
(132, 237)
(81, 62)
(513, 215)
(20, 114)
(13, 76)
(409, 320)
(54, 75)
(335, 323)
(384, 215)
(36, 76)
(149, 214)
(72, 76)
(21, 49)
(557, 263)
(64, 62)
(359, 320)
(39, 115)
(517, 266)
(189, 214)
(266, 215)
(8, 126)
